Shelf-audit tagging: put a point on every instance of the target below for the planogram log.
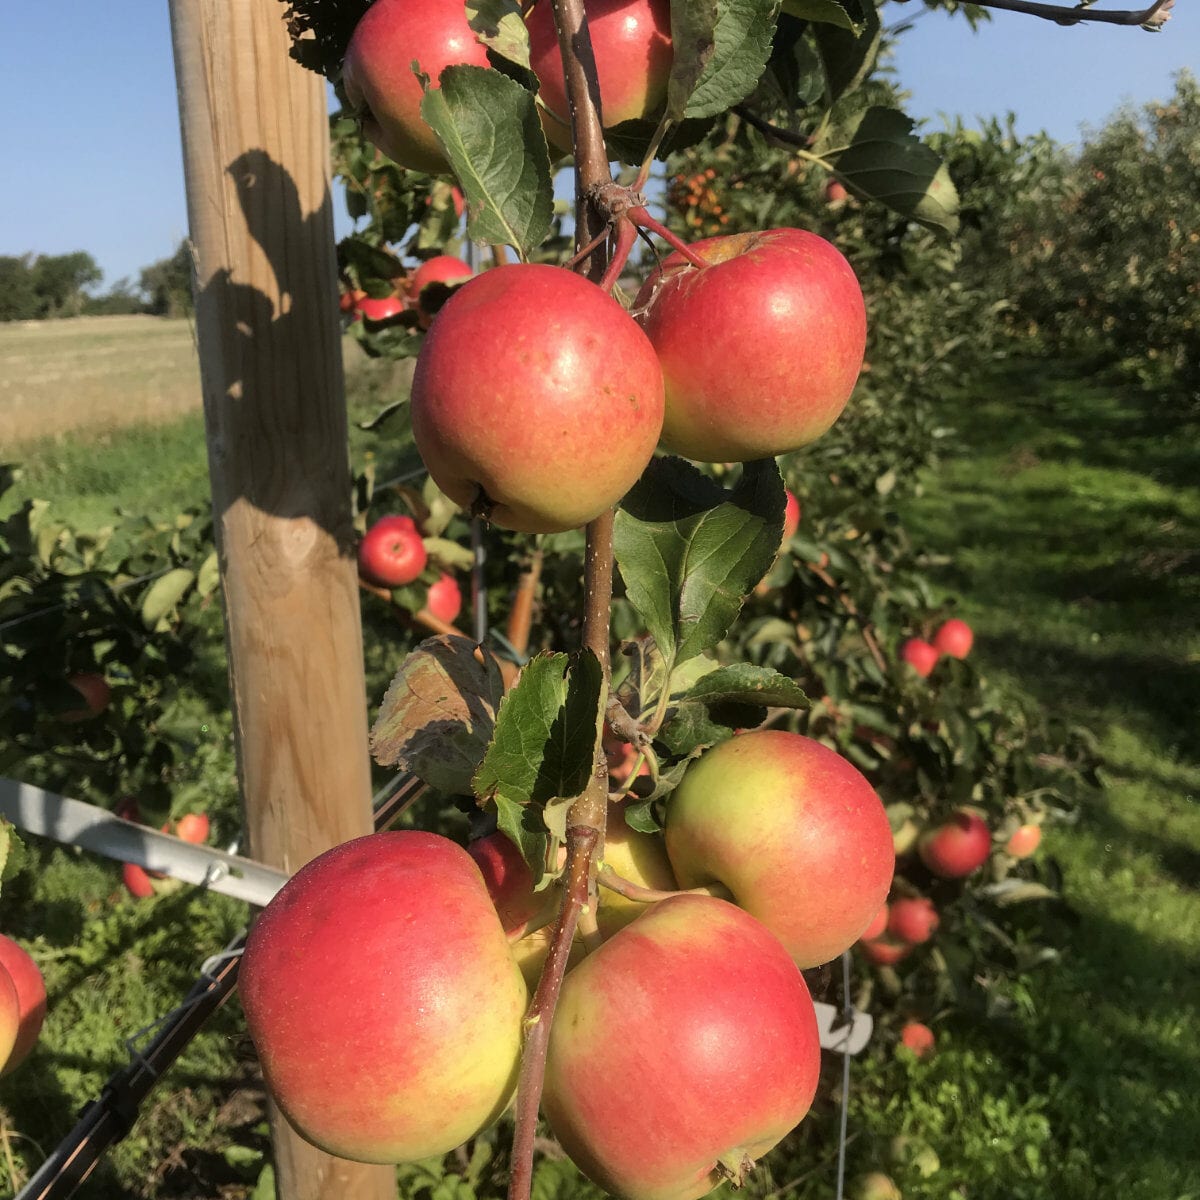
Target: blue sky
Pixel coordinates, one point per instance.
(91, 139)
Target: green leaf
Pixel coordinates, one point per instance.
(438, 715)
(164, 594)
(642, 815)
(885, 161)
(12, 852)
(498, 25)
(742, 46)
(690, 552)
(848, 55)
(449, 553)
(489, 128)
(693, 36)
(847, 14)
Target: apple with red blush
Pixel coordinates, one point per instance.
(392, 552)
(958, 847)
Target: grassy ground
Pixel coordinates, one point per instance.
(1074, 521)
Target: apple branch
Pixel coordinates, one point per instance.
(607, 877)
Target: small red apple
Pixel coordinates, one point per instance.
(918, 1038)
(379, 80)
(732, 398)
(1024, 841)
(883, 952)
(919, 655)
(791, 517)
(380, 309)
(879, 922)
(137, 881)
(192, 827)
(30, 990)
(700, 1011)
(954, 638)
(96, 694)
(536, 398)
(957, 848)
(444, 268)
(835, 192)
(913, 919)
(444, 598)
(349, 301)
(392, 553)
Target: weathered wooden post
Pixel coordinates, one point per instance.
(256, 157)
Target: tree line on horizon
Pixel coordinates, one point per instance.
(35, 287)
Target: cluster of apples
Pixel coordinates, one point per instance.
(191, 827)
(422, 292)
(400, 966)
(953, 639)
(392, 554)
(22, 1004)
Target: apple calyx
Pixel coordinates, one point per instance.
(736, 1167)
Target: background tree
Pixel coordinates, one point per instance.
(18, 299)
(167, 284)
(59, 281)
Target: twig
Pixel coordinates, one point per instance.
(1064, 15)
(848, 604)
(607, 877)
(520, 617)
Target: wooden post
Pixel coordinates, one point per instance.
(256, 157)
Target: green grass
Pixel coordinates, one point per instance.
(1074, 523)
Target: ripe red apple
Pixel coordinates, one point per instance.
(835, 192)
(536, 394)
(379, 309)
(509, 882)
(96, 693)
(913, 919)
(631, 41)
(732, 397)
(137, 881)
(791, 517)
(884, 952)
(379, 80)
(444, 268)
(954, 638)
(30, 990)
(444, 598)
(879, 923)
(392, 553)
(958, 847)
(919, 655)
(795, 833)
(383, 1000)
(192, 827)
(1024, 841)
(683, 1049)
(918, 1038)
(10, 1016)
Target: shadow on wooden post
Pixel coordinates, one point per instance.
(256, 157)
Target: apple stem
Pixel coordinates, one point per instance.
(642, 218)
(607, 877)
(581, 842)
(626, 236)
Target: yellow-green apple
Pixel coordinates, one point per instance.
(794, 832)
(913, 919)
(958, 847)
(444, 598)
(732, 397)
(536, 398)
(392, 553)
(954, 638)
(30, 990)
(1024, 841)
(383, 999)
(379, 80)
(874, 1185)
(919, 655)
(96, 693)
(918, 1038)
(791, 517)
(444, 269)
(682, 1050)
(631, 42)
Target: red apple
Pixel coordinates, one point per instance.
(444, 598)
(682, 1050)
(796, 834)
(631, 41)
(731, 397)
(192, 827)
(883, 952)
(379, 309)
(137, 881)
(835, 192)
(958, 847)
(96, 694)
(918, 1038)
(919, 655)
(349, 301)
(536, 397)
(878, 924)
(509, 882)
(913, 919)
(379, 80)
(954, 638)
(10, 1016)
(1024, 841)
(391, 553)
(383, 1000)
(444, 268)
(30, 989)
(791, 517)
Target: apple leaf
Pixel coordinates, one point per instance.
(729, 698)
(879, 156)
(489, 129)
(438, 715)
(846, 14)
(642, 814)
(741, 47)
(693, 36)
(690, 551)
(848, 55)
(498, 25)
